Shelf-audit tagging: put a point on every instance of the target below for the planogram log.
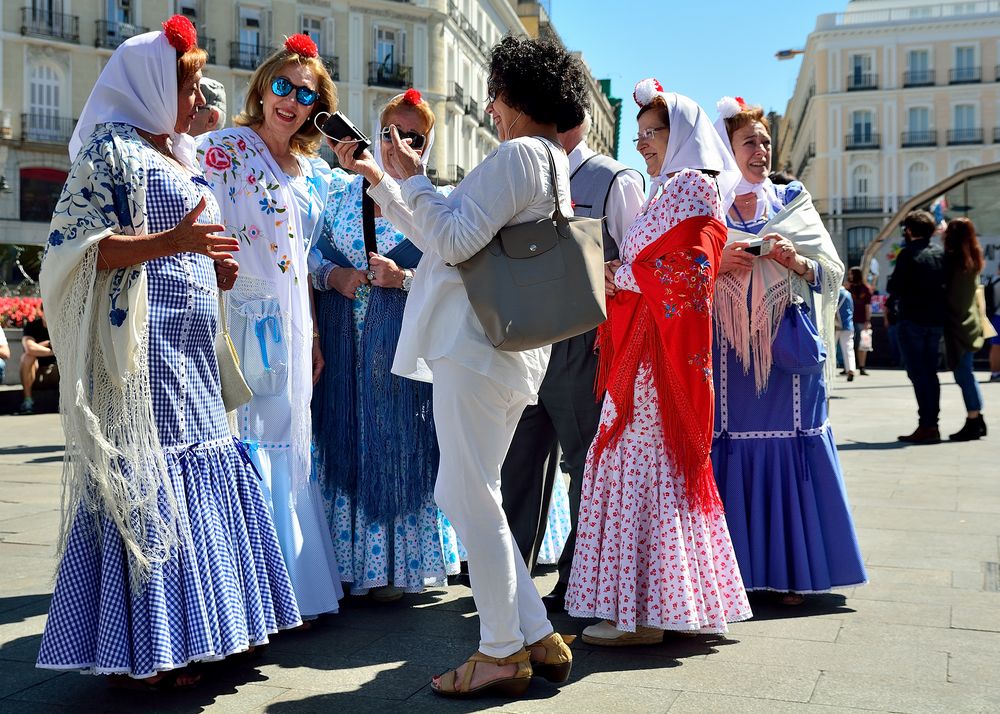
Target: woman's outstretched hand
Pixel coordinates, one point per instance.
(189, 236)
(364, 164)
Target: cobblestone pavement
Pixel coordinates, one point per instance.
(923, 636)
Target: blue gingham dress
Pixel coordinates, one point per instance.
(233, 589)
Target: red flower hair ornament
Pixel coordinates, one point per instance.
(180, 33)
(302, 45)
(412, 96)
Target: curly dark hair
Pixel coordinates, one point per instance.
(540, 78)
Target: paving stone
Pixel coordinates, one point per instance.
(968, 617)
(16, 677)
(886, 575)
(700, 703)
(882, 694)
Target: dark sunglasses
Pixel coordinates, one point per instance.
(282, 87)
(416, 140)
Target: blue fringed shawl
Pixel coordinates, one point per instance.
(393, 471)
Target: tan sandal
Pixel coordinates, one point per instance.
(558, 660)
(509, 687)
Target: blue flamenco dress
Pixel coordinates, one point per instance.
(230, 589)
(776, 465)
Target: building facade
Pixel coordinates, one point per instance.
(52, 51)
(892, 97)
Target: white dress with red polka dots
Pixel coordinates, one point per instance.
(643, 556)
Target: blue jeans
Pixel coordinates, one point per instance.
(919, 345)
(966, 379)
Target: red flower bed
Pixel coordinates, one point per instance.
(18, 311)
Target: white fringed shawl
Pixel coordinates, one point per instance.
(751, 327)
(114, 466)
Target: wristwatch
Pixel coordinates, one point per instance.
(407, 280)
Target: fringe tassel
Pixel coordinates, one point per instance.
(335, 421)
(400, 456)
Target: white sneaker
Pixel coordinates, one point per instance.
(605, 634)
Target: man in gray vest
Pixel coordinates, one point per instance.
(211, 115)
(567, 413)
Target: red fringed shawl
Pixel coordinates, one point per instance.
(669, 326)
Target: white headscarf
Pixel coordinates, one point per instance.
(764, 191)
(693, 143)
(137, 87)
(425, 154)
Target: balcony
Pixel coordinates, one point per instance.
(384, 74)
(486, 121)
(919, 78)
(453, 11)
(54, 25)
(457, 172)
(958, 137)
(208, 44)
(111, 34)
(46, 128)
(859, 81)
(918, 138)
(246, 55)
(810, 154)
(457, 94)
(472, 110)
(861, 204)
(965, 75)
(332, 65)
(863, 140)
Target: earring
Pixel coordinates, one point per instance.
(262, 102)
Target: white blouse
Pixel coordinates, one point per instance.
(512, 185)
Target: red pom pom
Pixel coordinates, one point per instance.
(302, 45)
(180, 33)
(743, 105)
(412, 96)
(659, 87)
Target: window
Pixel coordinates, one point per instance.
(857, 240)
(965, 117)
(120, 11)
(961, 165)
(861, 76)
(918, 60)
(860, 180)
(918, 119)
(189, 9)
(390, 47)
(250, 28)
(43, 122)
(965, 69)
(313, 26)
(40, 189)
(918, 177)
(862, 122)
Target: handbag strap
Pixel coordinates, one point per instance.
(222, 312)
(557, 213)
(368, 219)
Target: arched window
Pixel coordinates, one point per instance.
(858, 239)
(40, 189)
(918, 177)
(961, 165)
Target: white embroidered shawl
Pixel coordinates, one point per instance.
(750, 326)
(259, 208)
(114, 465)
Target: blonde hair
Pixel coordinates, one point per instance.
(306, 139)
(399, 104)
(750, 115)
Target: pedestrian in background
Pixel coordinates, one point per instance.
(211, 116)
(963, 327)
(861, 295)
(845, 332)
(917, 284)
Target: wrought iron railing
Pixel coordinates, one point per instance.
(863, 140)
(111, 34)
(927, 137)
(919, 78)
(385, 74)
(965, 136)
(965, 75)
(247, 55)
(57, 25)
(862, 80)
(46, 128)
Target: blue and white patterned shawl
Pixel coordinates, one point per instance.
(98, 322)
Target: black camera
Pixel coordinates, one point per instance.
(339, 128)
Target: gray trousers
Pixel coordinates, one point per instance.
(566, 417)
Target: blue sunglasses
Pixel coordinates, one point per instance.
(282, 87)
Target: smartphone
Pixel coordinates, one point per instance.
(340, 128)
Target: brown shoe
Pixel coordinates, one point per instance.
(923, 435)
(557, 662)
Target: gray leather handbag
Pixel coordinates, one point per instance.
(539, 282)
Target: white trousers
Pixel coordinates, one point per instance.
(846, 340)
(475, 419)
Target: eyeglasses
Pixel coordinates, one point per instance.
(647, 134)
(282, 87)
(491, 97)
(416, 140)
